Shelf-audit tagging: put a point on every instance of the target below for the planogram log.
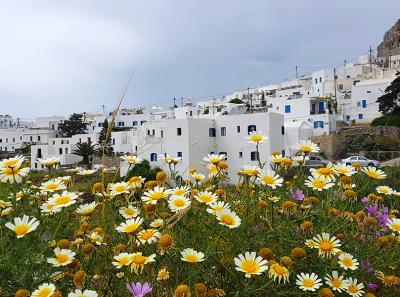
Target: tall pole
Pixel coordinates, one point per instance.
(297, 74)
(248, 97)
(370, 59)
(334, 83)
(174, 102)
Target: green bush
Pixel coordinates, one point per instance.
(387, 120)
(144, 170)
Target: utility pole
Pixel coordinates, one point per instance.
(248, 97)
(370, 59)
(297, 74)
(334, 83)
(213, 106)
(103, 107)
(174, 102)
(181, 101)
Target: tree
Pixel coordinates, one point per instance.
(144, 170)
(86, 150)
(236, 101)
(74, 125)
(105, 140)
(389, 103)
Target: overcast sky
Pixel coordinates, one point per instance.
(59, 57)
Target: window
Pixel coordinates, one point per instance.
(318, 124)
(38, 138)
(320, 79)
(100, 124)
(134, 123)
(211, 132)
(347, 118)
(283, 130)
(321, 106)
(35, 165)
(238, 129)
(66, 150)
(30, 138)
(60, 151)
(179, 131)
(179, 154)
(113, 141)
(287, 108)
(251, 128)
(316, 80)
(240, 154)
(62, 141)
(368, 92)
(360, 116)
(153, 157)
(348, 76)
(223, 131)
(13, 139)
(340, 87)
(364, 103)
(358, 103)
(153, 132)
(142, 122)
(254, 156)
(191, 113)
(148, 132)
(162, 133)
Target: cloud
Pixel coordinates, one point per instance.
(58, 57)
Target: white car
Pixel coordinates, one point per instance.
(360, 160)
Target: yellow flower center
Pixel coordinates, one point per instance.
(129, 211)
(373, 174)
(278, 269)
(269, 180)
(306, 148)
(250, 266)
(120, 188)
(62, 258)
(256, 137)
(336, 283)
(308, 283)
(63, 200)
(139, 259)
(10, 163)
(131, 228)
(124, 260)
(22, 229)
(206, 198)
(52, 186)
(396, 227)
(157, 196)
(146, 235)
(352, 289)
(324, 171)
(227, 219)
(179, 203)
(319, 184)
(180, 192)
(215, 161)
(325, 246)
(45, 292)
(191, 258)
(347, 262)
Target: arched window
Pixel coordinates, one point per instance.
(153, 157)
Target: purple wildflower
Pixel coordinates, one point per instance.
(139, 290)
(373, 286)
(365, 200)
(372, 209)
(297, 195)
(366, 266)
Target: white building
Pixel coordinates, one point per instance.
(193, 138)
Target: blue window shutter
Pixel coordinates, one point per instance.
(287, 108)
(321, 106)
(364, 103)
(322, 124)
(315, 125)
(360, 116)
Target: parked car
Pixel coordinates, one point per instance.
(316, 161)
(361, 160)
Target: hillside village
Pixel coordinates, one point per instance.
(318, 104)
